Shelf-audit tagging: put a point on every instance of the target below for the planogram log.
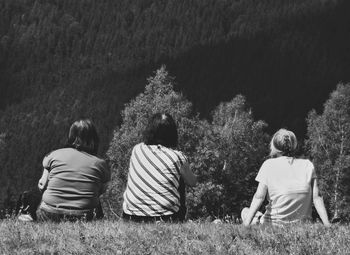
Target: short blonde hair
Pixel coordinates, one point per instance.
(283, 143)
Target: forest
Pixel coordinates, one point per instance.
(271, 62)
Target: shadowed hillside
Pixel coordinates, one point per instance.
(60, 60)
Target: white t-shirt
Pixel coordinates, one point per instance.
(288, 184)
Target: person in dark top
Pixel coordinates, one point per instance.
(73, 177)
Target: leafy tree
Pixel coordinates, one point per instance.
(225, 154)
(228, 158)
(75, 51)
(329, 145)
(159, 96)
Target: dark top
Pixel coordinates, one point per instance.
(75, 178)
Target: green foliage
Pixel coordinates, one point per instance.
(117, 237)
(158, 96)
(227, 160)
(224, 154)
(329, 144)
(62, 60)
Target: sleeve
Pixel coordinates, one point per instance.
(312, 170)
(47, 162)
(262, 174)
(106, 172)
(182, 159)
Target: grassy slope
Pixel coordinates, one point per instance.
(114, 237)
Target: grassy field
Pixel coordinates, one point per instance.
(116, 237)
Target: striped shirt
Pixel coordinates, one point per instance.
(153, 181)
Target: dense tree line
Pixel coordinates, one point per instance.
(227, 152)
(60, 60)
(329, 145)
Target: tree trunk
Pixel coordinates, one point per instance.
(336, 193)
(337, 176)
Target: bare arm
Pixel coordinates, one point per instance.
(258, 199)
(43, 180)
(186, 173)
(319, 204)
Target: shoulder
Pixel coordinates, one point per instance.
(177, 152)
(272, 164)
(54, 155)
(307, 167)
(180, 155)
(137, 149)
(304, 162)
(269, 162)
(91, 158)
(138, 146)
(176, 155)
(265, 171)
(308, 164)
(57, 152)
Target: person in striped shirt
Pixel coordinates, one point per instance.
(157, 173)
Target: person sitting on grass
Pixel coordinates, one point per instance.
(74, 177)
(290, 185)
(155, 189)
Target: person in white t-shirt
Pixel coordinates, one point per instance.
(290, 185)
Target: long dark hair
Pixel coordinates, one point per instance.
(83, 136)
(161, 130)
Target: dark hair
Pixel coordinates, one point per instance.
(83, 136)
(161, 129)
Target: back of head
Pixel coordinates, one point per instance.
(283, 143)
(161, 130)
(83, 136)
